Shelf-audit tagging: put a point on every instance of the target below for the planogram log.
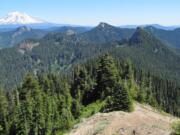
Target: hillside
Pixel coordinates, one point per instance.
(59, 52)
(67, 29)
(143, 121)
(15, 36)
(170, 37)
(150, 53)
(47, 103)
(104, 33)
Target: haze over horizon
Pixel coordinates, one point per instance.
(91, 12)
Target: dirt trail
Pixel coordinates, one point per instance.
(143, 121)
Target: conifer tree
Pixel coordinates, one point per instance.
(3, 113)
(141, 93)
(37, 111)
(130, 80)
(107, 76)
(82, 85)
(49, 113)
(65, 101)
(63, 105)
(31, 107)
(76, 108)
(120, 100)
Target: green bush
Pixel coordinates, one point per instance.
(176, 128)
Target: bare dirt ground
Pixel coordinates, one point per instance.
(143, 121)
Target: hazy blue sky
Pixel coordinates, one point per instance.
(91, 12)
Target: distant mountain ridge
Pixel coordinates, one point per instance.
(15, 36)
(100, 34)
(153, 25)
(150, 53)
(106, 33)
(169, 37)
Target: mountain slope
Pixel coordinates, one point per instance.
(170, 37)
(56, 52)
(148, 52)
(104, 33)
(13, 37)
(143, 121)
(67, 29)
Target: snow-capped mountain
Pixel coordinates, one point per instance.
(15, 18)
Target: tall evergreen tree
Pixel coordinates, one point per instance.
(82, 86)
(120, 100)
(107, 76)
(31, 107)
(129, 79)
(3, 114)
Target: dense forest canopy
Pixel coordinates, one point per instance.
(50, 104)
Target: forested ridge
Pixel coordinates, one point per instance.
(60, 51)
(15, 36)
(49, 104)
(49, 84)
